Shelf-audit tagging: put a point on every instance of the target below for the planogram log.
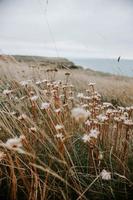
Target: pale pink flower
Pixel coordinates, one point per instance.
(87, 123)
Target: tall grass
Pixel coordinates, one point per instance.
(58, 143)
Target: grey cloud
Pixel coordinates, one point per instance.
(98, 28)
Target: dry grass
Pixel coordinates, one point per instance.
(61, 141)
(115, 89)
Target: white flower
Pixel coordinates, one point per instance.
(14, 144)
(24, 83)
(128, 122)
(71, 86)
(117, 119)
(94, 133)
(95, 121)
(95, 97)
(59, 127)
(85, 106)
(121, 108)
(123, 117)
(102, 118)
(34, 98)
(91, 84)
(87, 123)
(129, 108)
(38, 82)
(80, 113)
(60, 136)
(24, 97)
(80, 95)
(45, 92)
(6, 92)
(86, 138)
(45, 105)
(109, 111)
(106, 104)
(57, 110)
(44, 81)
(87, 98)
(71, 98)
(13, 113)
(23, 116)
(105, 175)
(33, 129)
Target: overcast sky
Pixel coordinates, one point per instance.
(68, 28)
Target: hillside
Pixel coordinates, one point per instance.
(116, 89)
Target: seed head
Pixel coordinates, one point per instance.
(80, 113)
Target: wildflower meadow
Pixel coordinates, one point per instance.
(59, 143)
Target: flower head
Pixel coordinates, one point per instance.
(128, 122)
(14, 143)
(91, 84)
(86, 138)
(105, 175)
(22, 117)
(102, 118)
(87, 123)
(34, 98)
(33, 129)
(80, 95)
(45, 105)
(94, 133)
(80, 113)
(57, 110)
(59, 136)
(6, 92)
(25, 83)
(59, 127)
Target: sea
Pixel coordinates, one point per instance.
(124, 67)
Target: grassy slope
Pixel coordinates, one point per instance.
(117, 89)
(68, 169)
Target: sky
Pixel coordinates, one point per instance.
(67, 28)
